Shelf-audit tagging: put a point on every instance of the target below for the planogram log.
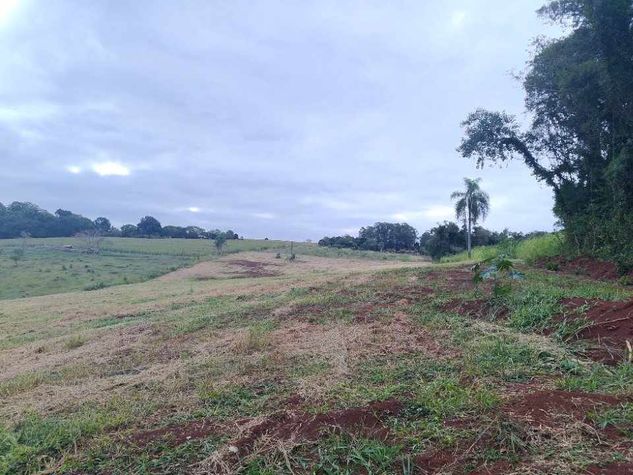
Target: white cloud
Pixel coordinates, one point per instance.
(193, 209)
(458, 19)
(110, 169)
(7, 7)
(74, 169)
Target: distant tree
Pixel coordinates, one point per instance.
(102, 225)
(129, 230)
(149, 226)
(174, 232)
(69, 223)
(387, 237)
(472, 204)
(195, 232)
(218, 242)
(442, 240)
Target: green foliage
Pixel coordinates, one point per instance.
(599, 378)
(218, 242)
(472, 204)
(529, 249)
(36, 441)
(501, 271)
(347, 456)
(379, 237)
(580, 95)
(547, 245)
(507, 357)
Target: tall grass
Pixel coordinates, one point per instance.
(538, 247)
(529, 250)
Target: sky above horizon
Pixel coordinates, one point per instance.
(289, 120)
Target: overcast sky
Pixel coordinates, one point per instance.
(281, 119)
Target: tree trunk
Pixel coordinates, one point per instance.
(468, 230)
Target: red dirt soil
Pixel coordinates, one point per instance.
(543, 408)
(585, 266)
(619, 468)
(253, 268)
(366, 421)
(177, 434)
(611, 326)
(452, 279)
(475, 308)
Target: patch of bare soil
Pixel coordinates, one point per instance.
(458, 279)
(546, 407)
(405, 295)
(176, 435)
(610, 326)
(454, 460)
(478, 308)
(583, 266)
(253, 268)
(282, 427)
(616, 468)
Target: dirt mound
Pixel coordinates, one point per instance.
(545, 407)
(609, 324)
(475, 308)
(584, 266)
(619, 468)
(177, 434)
(253, 268)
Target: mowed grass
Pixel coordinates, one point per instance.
(45, 271)
(48, 266)
(214, 370)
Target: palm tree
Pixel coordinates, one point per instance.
(472, 204)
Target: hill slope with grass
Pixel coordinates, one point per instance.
(249, 363)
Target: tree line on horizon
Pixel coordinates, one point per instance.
(24, 218)
(442, 240)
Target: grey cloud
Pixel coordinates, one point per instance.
(278, 119)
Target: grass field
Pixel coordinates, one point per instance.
(48, 267)
(341, 364)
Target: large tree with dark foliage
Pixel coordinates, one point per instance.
(444, 239)
(579, 93)
(21, 217)
(149, 226)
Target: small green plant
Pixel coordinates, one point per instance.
(501, 271)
